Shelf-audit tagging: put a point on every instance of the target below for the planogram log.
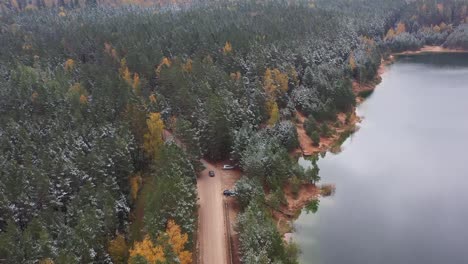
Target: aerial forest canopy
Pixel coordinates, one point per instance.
(88, 88)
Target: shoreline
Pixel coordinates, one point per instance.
(309, 192)
(430, 49)
(296, 205)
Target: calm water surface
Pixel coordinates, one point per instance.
(402, 179)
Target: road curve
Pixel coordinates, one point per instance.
(212, 230)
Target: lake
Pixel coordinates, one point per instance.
(402, 179)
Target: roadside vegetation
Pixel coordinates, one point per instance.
(87, 91)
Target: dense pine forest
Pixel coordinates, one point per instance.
(87, 89)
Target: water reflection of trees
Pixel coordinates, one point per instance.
(312, 206)
(311, 168)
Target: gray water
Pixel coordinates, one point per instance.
(402, 179)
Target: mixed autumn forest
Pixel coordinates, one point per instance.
(88, 87)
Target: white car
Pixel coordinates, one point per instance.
(228, 167)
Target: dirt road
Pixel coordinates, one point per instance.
(212, 233)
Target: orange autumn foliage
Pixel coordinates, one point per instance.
(136, 83)
(79, 93)
(76, 88)
(440, 8)
(153, 140)
(155, 252)
(83, 99)
(171, 123)
(166, 62)
(69, 65)
(367, 40)
(401, 28)
(34, 96)
(187, 67)
(178, 240)
(152, 98)
(109, 50)
(390, 34)
(46, 261)
(275, 82)
(227, 48)
(118, 249)
(235, 76)
(273, 112)
(135, 184)
(443, 26)
(27, 46)
(148, 250)
(125, 72)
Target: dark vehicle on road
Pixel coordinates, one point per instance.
(229, 193)
(211, 173)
